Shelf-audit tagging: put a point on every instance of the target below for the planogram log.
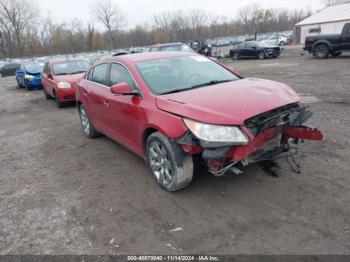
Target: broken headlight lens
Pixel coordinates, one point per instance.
(216, 133)
(29, 77)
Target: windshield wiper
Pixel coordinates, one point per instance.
(212, 82)
(77, 72)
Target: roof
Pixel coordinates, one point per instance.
(141, 57)
(333, 13)
(64, 60)
(167, 44)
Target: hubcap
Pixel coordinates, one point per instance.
(84, 121)
(160, 163)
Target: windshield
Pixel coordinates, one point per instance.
(70, 67)
(34, 67)
(184, 48)
(180, 73)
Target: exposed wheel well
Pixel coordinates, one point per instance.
(322, 43)
(146, 134)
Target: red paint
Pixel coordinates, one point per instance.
(50, 80)
(241, 152)
(126, 118)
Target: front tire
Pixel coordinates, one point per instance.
(235, 56)
(58, 103)
(48, 97)
(321, 52)
(171, 167)
(261, 55)
(88, 128)
(18, 84)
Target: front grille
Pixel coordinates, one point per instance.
(292, 114)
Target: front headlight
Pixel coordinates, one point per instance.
(216, 133)
(63, 85)
(29, 77)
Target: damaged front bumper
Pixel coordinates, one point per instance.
(270, 134)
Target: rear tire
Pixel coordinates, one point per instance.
(235, 56)
(321, 51)
(170, 166)
(88, 127)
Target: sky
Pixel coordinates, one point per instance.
(139, 12)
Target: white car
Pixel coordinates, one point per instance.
(275, 40)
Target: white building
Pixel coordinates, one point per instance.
(327, 21)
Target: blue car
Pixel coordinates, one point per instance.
(29, 76)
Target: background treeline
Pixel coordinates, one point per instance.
(24, 31)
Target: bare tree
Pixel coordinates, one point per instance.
(328, 2)
(110, 15)
(16, 17)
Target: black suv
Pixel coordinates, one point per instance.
(324, 45)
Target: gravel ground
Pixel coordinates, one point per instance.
(61, 193)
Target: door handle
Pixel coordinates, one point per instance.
(106, 103)
(85, 93)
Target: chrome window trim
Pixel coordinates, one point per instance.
(133, 78)
(110, 66)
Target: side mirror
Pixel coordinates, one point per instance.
(122, 88)
(254, 47)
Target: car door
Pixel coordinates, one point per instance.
(95, 92)
(250, 51)
(123, 111)
(45, 80)
(241, 49)
(345, 38)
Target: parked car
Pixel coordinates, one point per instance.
(59, 78)
(324, 45)
(201, 48)
(169, 107)
(29, 75)
(9, 69)
(170, 47)
(254, 49)
(275, 40)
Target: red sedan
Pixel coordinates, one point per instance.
(168, 107)
(59, 78)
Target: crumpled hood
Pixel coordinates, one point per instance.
(228, 103)
(36, 72)
(71, 79)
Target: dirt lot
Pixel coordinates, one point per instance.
(61, 193)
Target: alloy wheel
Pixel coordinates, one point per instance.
(321, 51)
(84, 121)
(160, 163)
